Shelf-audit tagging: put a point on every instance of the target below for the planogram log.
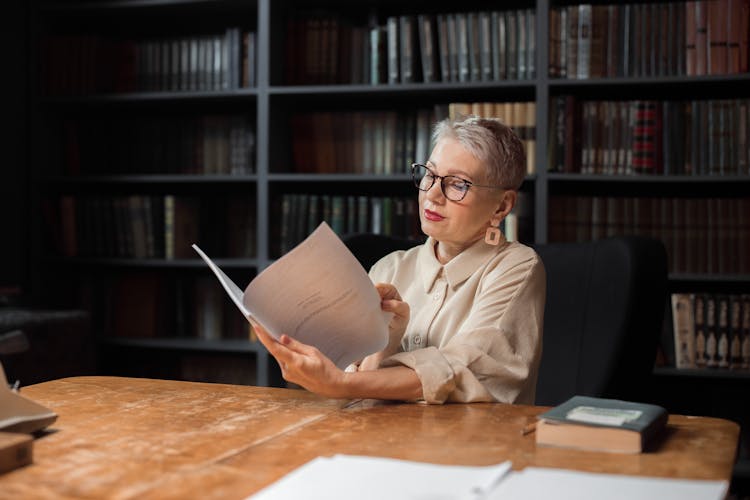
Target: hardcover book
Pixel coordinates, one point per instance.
(599, 424)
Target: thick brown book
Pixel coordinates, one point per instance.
(701, 38)
(599, 424)
(717, 37)
(691, 31)
(16, 450)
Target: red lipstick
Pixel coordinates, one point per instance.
(433, 216)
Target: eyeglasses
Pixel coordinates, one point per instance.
(453, 188)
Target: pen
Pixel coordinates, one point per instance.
(528, 428)
(480, 492)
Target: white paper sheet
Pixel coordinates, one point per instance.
(539, 483)
(349, 477)
(319, 294)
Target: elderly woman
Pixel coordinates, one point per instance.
(468, 305)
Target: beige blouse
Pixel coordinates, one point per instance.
(475, 330)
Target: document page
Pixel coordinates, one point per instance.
(539, 483)
(319, 294)
(349, 477)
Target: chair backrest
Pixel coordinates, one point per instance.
(603, 317)
(368, 248)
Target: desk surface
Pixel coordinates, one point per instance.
(140, 438)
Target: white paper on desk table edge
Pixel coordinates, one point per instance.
(376, 478)
(541, 483)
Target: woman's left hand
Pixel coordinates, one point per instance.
(304, 365)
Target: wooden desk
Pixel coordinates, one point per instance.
(139, 438)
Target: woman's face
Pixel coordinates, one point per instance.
(457, 223)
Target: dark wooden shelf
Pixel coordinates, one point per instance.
(655, 179)
(398, 88)
(707, 373)
(188, 344)
(90, 180)
(225, 263)
(318, 178)
(62, 7)
(649, 81)
(709, 278)
(242, 94)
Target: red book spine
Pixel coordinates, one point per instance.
(645, 135)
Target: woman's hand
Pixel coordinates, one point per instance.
(390, 301)
(304, 365)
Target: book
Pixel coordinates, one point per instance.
(600, 424)
(335, 477)
(20, 414)
(16, 450)
(317, 293)
(684, 330)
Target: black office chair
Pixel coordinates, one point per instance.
(603, 317)
(368, 248)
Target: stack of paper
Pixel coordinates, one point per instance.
(364, 478)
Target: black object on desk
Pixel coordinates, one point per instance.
(39, 345)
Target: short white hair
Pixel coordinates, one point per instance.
(491, 142)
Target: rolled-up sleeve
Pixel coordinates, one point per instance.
(485, 344)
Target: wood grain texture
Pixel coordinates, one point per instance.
(139, 438)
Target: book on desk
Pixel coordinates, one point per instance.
(600, 424)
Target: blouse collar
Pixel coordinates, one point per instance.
(460, 267)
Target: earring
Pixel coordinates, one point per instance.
(492, 236)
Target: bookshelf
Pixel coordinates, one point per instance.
(290, 80)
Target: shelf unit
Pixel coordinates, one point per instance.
(271, 102)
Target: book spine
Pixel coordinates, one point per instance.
(735, 332)
(683, 328)
(699, 315)
(393, 50)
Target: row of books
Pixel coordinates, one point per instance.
(147, 227)
(456, 47)
(142, 304)
(701, 235)
(704, 37)
(520, 116)
(90, 64)
(697, 137)
(388, 142)
(711, 331)
(367, 142)
(301, 213)
(211, 144)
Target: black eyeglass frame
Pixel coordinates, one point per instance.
(442, 178)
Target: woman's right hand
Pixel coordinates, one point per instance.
(390, 301)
